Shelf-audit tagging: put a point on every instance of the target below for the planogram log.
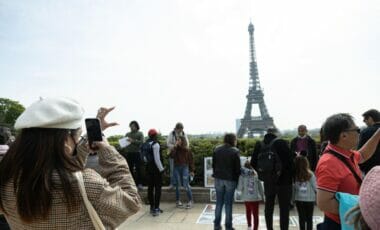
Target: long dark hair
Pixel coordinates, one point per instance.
(303, 172)
(184, 143)
(30, 163)
(135, 123)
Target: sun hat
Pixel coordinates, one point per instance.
(60, 113)
(152, 132)
(369, 199)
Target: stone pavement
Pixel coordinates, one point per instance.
(201, 217)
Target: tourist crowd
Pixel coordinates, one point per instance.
(53, 176)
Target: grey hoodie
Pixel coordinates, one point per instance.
(250, 186)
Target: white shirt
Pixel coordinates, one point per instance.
(156, 155)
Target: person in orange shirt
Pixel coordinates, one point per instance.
(338, 168)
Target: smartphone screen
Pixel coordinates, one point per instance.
(94, 132)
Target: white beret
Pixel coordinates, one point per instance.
(60, 113)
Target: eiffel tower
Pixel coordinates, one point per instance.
(251, 125)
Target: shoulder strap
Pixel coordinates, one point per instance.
(96, 221)
(272, 142)
(268, 145)
(151, 143)
(349, 166)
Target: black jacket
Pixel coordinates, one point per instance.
(365, 135)
(312, 155)
(226, 163)
(281, 147)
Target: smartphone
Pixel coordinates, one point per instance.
(94, 132)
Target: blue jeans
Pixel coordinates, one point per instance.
(173, 180)
(181, 172)
(225, 190)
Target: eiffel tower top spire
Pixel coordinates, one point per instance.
(254, 82)
(250, 125)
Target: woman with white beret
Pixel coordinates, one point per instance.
(39, 183)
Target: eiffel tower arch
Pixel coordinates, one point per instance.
(254, 125)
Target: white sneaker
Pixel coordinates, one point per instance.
(179, 204)
(189, 204)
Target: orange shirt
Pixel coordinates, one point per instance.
(334, 176)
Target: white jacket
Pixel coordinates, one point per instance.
(250, 186)
(172, 139)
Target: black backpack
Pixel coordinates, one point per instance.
(146, 151)
(5, 134)
(268, 163)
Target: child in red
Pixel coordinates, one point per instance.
(251, 193)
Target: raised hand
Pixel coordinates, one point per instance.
(102, 113)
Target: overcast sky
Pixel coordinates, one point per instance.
(163, 61)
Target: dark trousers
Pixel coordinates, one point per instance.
(3, 223)
(134, 164)
(328, 224)
(284, 194)
(305, 214)
(154, 189)
(252, 209)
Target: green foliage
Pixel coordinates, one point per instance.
(114, 138)
(201, 148)
(9, 111)
(114, 141)
(246, 146)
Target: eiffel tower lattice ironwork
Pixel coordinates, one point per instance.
(251, 125)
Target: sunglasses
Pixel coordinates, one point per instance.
(353, 130)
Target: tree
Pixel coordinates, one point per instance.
(9, 111)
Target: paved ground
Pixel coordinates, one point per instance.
(200, 217)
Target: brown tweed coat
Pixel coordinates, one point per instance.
(113, 194)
